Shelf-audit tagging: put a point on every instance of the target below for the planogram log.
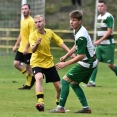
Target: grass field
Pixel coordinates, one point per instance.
(15, 103)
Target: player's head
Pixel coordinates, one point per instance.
(76, 14)
(27, 5)
(39, 22)
(76, 19)
(102, 1)
(102, 7)
(25, 10)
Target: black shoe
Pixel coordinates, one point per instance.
(84, 110)
(25, 87)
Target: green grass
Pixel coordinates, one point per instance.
(15, 103)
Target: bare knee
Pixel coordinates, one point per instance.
(39, 77)
(16, 64)
(111, 66)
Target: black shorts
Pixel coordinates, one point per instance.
(25, 58)
(51, 74)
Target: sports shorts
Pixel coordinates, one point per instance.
(25, 58)
(79, 73)
(105, 53)
(51, 74)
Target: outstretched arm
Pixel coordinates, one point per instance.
(69, 53)
(61, 65)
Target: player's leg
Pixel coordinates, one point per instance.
(52, 75)
(113, 67)
(39, 88)
(17, 62)
(80, 74)
(30, 80)
(109, 57)
(81, 96)
(63, 96)
(57, 86)
(64, 93)
(22, 68)
(92, 80)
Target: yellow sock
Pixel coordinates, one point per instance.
(24, 71)
(28, 80)
(57, 101)
(40, 97)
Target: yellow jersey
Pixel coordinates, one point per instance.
(42, 57)
(26, 28)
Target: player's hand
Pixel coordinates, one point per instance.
(97, 43)
(25, 51)
(63, 58)
(38, 41)
(14, 48)
(73, 55)
(60, 65)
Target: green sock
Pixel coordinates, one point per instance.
(80, 94)
(115, 70)
(64, 92)
(93, 75)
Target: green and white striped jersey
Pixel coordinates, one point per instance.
(84, 45)
(103, 22)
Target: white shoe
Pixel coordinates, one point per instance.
(66, 110)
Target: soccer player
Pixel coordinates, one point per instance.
(42, 60)
(24, 52)
(85, 63)
(105, 44)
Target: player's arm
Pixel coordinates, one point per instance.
(74, 60)
(26, 48)
(69, 53)
(60, 43)
(81, 44)
(17, 43)
(35, 46)
(61, 65)
(31, 29)
(109, 31)
(63, 46)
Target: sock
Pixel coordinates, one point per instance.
(24, 71)
(93, 75)
(80, 94)
(28, 80)
(57, 101)
(32, 81)
(115, 70)
(40, 97)
(64, 92)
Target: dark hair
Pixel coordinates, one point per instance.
(102, 1)
(76, 14)
(27, 5)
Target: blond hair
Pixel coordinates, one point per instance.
(38, 16)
